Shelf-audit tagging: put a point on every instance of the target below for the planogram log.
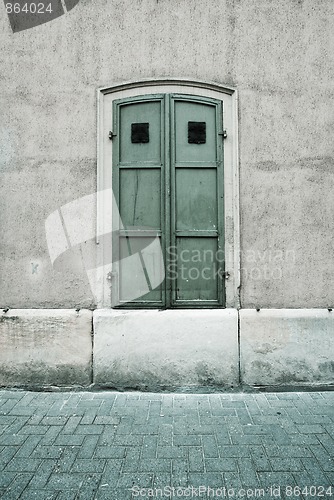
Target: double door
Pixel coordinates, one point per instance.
(168, 234)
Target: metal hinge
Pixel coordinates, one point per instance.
(223, 134)
(111, 135)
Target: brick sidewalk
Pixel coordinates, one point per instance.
(85, 445)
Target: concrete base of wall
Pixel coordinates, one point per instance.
(167, 350)
(43, 347)
(287, 347)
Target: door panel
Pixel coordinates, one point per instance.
(196, 181)
(140, 272)
(140, 133)
(140, 198)
(139, 189)
(201, 119)
(196, 199)
(196, 268)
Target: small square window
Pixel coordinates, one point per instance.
(196, 132)
(140, 133)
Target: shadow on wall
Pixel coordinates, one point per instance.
(25, 14)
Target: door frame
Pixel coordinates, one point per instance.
(102, 274)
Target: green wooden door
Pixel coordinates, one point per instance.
(168, 248)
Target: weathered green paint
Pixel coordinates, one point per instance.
(174, 190)
(196, 187)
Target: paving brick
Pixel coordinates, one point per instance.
(315, 472)
(131, 461)
(125, 440)
(155, 465)
(50, 436)
(161, 480)
(40, 494)
(247, 473)
(196, 459)
(16, 425)
(149, 447)
(23, 465)
(271, 479)
(92, 445)
(259, 458)
(210, 448)
(311, 429)
(233, 451)
(303, 479)
(89, 487)
(106, 493)
(63, 481)
(125, 429)
(304, 439)
(88, 447)
(42, 474)
(288, 451)
(142, 480)
(191, 440)
(108, 436)
(221, 464)
(145, 429)
(47, 452)
(251, 439)
(88, 418)
(6, 478)
(71, 425)
(327, 442)
(325, 459)
(286, 464)
(200, 429)
(68, 440)
(54, 421)
(35, 419)
(179, 465)
(64, 463)
(244, 416)
(180, 478)
(110, 452)
(208, 478)
(89, 429)
(6, 455)
(12, 439)
(107, 419)
(16, 488)
(232, 480)
(165, 437)
(87, 465)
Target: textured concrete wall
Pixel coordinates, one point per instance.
(45, 347)
(196, 350)
(287, 347)
(278, 54)
(166, 349)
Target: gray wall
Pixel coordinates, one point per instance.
(279, 54)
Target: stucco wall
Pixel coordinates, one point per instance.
(278, 54)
